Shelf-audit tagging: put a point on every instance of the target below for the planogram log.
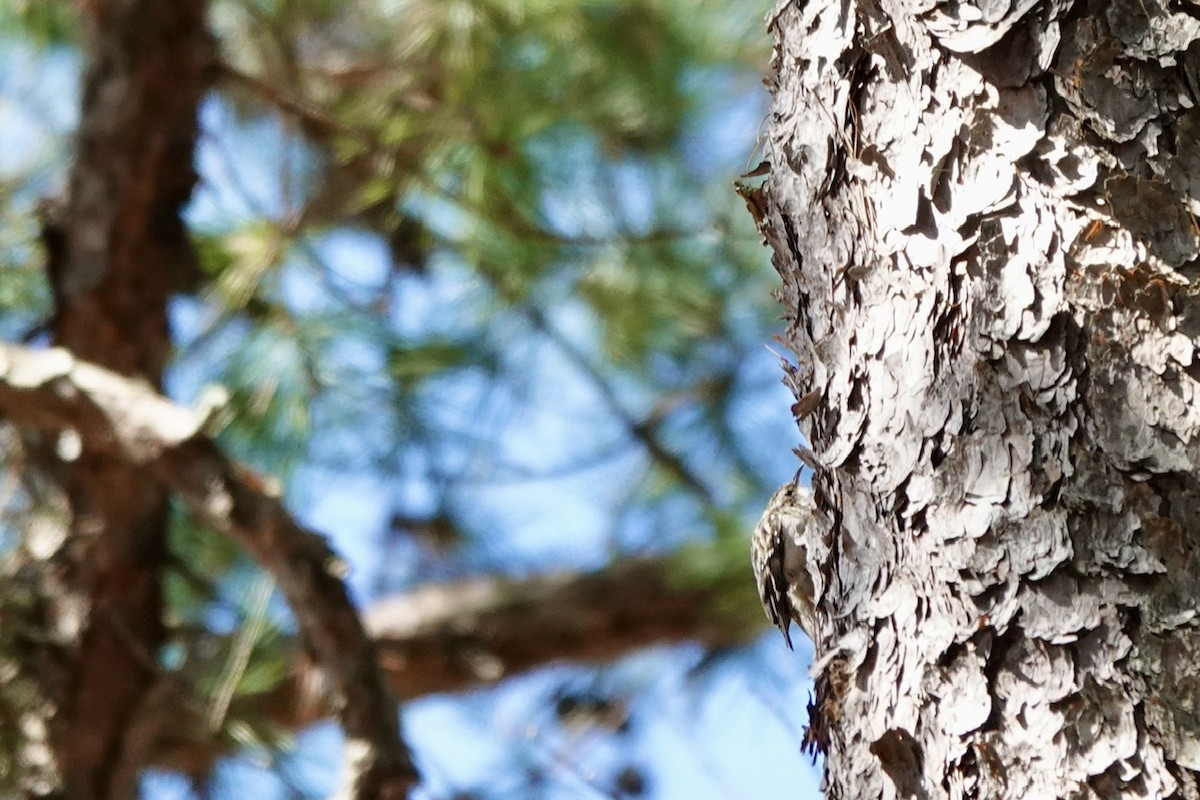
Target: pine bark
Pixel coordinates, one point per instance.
(114, 249)
(984, 216)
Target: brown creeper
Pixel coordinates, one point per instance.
(779, 556)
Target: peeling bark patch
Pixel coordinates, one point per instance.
(1101, 728)
(995, 212)
(901, 758)
(973, 27)
(1115, 98)
(1172, 705)
(1150, 30)
(963, 680)
(1151, 210)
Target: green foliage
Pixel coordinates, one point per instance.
(202, 558)
(515, 116)
(40, 22)
(538, 147)
(24, 296)
(409, 365)
(270, 378)
(222, 669)
(722, 565)
(529, 169)
(238, 262)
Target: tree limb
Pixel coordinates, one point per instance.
(127, 420)
(452, 636)
(438, 638)
(455, 636)
(116, 247)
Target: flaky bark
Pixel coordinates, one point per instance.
(984, 217)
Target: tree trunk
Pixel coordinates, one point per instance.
(113, 250)
(984, 218)
(116, 250)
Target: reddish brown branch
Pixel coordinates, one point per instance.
(439, 638)
(116, 248)
(127, 421)
(449, 637)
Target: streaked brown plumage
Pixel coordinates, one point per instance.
(778, 555)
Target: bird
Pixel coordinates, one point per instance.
(779, 556)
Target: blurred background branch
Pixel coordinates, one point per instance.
(486, 311)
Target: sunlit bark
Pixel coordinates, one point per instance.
(984, 218)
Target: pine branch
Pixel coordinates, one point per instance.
(127, 420)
